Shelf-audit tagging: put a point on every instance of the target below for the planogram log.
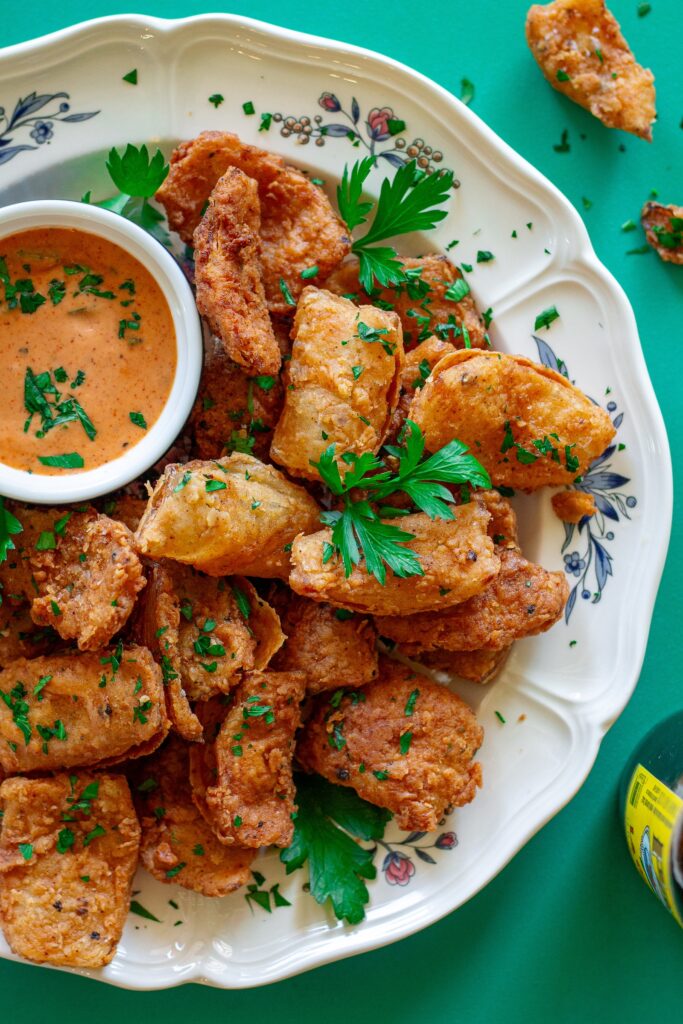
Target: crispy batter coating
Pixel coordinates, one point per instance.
(523, 600)
(233, 517)
(477, 666)
(418, 365)
(299, 228)
(326, 644)
(404, 743)
(456, 555)
(227, 253)
(502, 526)
(340, 389)
(64, 900)
(233, 411)
(663, 226)
(16, 573)
(572, 506)
(178, 844)
(205, 632)
(500, 406)
(69, 710)
(127, 509)
(242, 781)
(580, 49)
(87, 599)
(421, 303)
(19, 635)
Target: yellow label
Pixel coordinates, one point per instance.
(652, 812)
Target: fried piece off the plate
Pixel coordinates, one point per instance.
(299, 229)
(403, 742)
(68, 853)
(88, 582)
(205, 632)
(342, 381)
(421, 302)
(419, 363)
(177, 843)
(663, 226)
(528, 425)
(230, 293)
(329, 645)
(477, 666)
(523, 600)
(580, 49)
(233, 412)
(457, 558)
(71, 710)
(233, 517)
(572, 506)
(242, 780)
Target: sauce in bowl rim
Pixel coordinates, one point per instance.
(42, 489)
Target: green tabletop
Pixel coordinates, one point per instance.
(567, 930)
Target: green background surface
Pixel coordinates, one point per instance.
(567, 930)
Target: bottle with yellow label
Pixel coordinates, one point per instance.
(651, 799)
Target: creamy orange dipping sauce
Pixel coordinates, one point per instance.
(88, 351)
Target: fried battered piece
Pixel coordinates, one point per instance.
(477, 666)
(69, 710)
(341, 384)
(326, 644)
(522, 600)
(580, 49)
(299, 228)
(227, 273)
(16, 573)
(233, 411)
(65, 885)
(180, 841)
(404, 743)
(418, 365)
(127, 509)
(502, 527)
(205, 632)
(572, 506)
(233, 517)
(663, 226)
(242, 781)
(503, 408)
(19, 635)
(421, 303)
(456, 555)
(87, 599)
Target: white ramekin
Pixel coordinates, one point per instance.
(44, 213)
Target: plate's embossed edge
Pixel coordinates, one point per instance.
(23, 118)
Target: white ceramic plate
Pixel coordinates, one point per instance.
(557, 698)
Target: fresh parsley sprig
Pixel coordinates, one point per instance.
(328, 824)
(410, 201)
(9, 527)
(137, 176)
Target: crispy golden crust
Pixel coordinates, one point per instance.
(572, 506)
(87, 599)
(179, 605)
(495, 402)
(242, 781)
(456, 555)
(299, 228)
(420, 308)
(502, 526)
(663, 226)
(339, 389)
(240, 529)
(476, 666)
(16, 573)
(100, 724)
(230, 295)
(418, 365)
(19, 635)
(126, 509)
(232, 410)
(49, 914)
(581, 41)
(436, 772)
(180, 837)
(327, 644)
(523, 600)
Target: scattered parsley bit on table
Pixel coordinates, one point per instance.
(563, 145)
(466, 91)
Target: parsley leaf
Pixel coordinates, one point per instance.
(9, 527)
(134, 173)
(328, 824)
(353, 211)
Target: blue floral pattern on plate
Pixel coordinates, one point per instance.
(25, 122)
